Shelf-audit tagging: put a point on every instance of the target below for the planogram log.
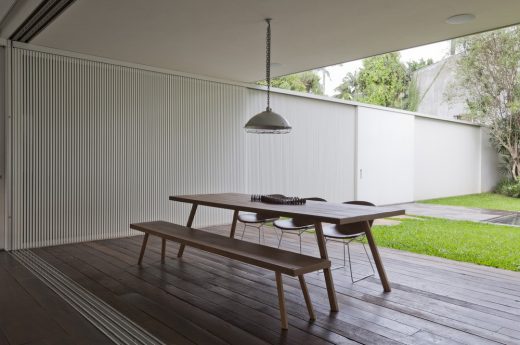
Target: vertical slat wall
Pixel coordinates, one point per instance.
(316, 159)
(97, 146)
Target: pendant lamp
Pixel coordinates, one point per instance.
(268, 122)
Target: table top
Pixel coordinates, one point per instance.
(328, 212)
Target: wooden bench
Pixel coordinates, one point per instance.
(274, 259)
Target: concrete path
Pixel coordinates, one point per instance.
(452, 212)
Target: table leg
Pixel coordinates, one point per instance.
(143, 248)
(327, 271)
(190, 222)
(377, 258)
(234, 224)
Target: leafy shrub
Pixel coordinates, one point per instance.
(509, 187)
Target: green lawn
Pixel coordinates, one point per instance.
(480, 243)
(485, 200)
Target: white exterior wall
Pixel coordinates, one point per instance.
(489, 163)
(316, 159)
(97, 145)
(385, 155)
(447, 159)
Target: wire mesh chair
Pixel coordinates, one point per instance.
(257, 220)
(346, 234)
(296, 225)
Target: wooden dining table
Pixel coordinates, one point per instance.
(314, 211)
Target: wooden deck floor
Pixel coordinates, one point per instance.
(206, 299)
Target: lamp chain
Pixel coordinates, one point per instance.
(268, 62)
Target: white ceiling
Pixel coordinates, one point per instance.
(5, 6)
(225, 38)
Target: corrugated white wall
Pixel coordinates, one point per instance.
(97, 146)
(316, 159)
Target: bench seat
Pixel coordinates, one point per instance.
(274, 259)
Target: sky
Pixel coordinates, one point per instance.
(435, 51)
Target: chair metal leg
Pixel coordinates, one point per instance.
(280, 240)
(344, 245)
(368, 258)
(344, 256)
(276, 233)
(350, 264)
(252, 226)
(347, 253)
(259, 233)
(243, 232)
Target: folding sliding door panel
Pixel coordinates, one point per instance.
(2, 148)
(98, 145)
(385, 156)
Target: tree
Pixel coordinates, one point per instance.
(412, 66)
(383, 80)
(349, 89)
(488, 77)
(325, 74)
(311, 80)
(303, 82)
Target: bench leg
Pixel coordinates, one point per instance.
(163, 251)
(143, 248)
(307, 297)
(281, 301)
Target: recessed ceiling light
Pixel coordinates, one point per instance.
(460, 18)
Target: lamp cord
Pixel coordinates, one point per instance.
(268, 62)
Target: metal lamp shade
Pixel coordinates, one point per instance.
(268, 122)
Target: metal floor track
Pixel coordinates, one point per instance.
(108, 320)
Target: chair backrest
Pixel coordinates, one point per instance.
(266, 215)
(361, 203)
(305, 222)
(277, 195)
(355, 228)
(315, 199)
